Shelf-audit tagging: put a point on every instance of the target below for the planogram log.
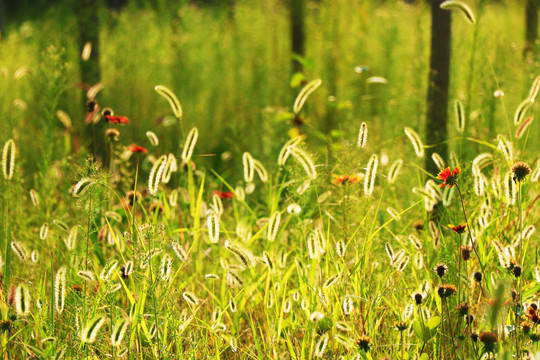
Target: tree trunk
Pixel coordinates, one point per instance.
(531, 31)
(439, 79)
(1, 18)
(88, 24)
(298, 36)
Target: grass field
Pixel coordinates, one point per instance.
(229, 232)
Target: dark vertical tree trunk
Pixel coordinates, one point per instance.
(439, 79)
(87, 12)
(1, 18)
(298, 36)
(531, 30)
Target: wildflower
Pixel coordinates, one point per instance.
(533, 316)
(346, 179)
(520, 170)
(448, 176)
(116, 119)
(137, 149)
(363, 342)
(223, 194)
(465, 252)
(459, 229)
(112, 133)
(441, 269)
(489, 339)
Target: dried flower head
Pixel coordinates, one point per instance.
(526, 326)
(449, 177)
(465, 252)
(520, 170)
(517, 270)
(463, 309)
(363, 342)
(418, 225)
(418, 297)
(112, 133)
(441, 269)
(446, 290)
(477, 276)
(489, 339)
(401, 325)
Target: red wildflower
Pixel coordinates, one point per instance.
(117, 119)
(345, 179)
(448, 176)
(137, 149)
(460, 229)
(223, 194)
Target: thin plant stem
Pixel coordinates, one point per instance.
(469, 228)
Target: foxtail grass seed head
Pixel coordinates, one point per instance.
(152, 137)
(44, 231)
(313, 246)
(260, 170)
(523, 127)
(505, 147)
(362, 135)
(480, 183)
(461, 7)
(389, 251)
(189, 146)
(217, 204)
(86, 51)
(23, 300)
(321, 345)
(71, 240)
(165, 268)
(341, 248)
(82, 187)
(400, 266)
(535, 88)
(331, 281)
(156, 174)
(267, 260)
(284, 153)
(171, 98)
(273, 226)
(343, 326)
(520, 170)
(245, 257)
(8, 159)
(19, 249)
(212, 222)
(347, 305)
(438, 160)
(416, 141)
(190, 298)
(109, 270)
(418, 260)
(86, 275)
(415, 242)
(304, 94)
(60, 290)
(521, 111)
(233, 280)
(90, 331)
(394, 170)
(409, 309)
(119, 330)
(232, 305)
(179, 251)
(287, 305)
(34, 197)
(460, 118)
(510, 190)
(249, 169)
(170, 167)
(371, 173)
(305, 160)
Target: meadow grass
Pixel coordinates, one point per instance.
(227, 232)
